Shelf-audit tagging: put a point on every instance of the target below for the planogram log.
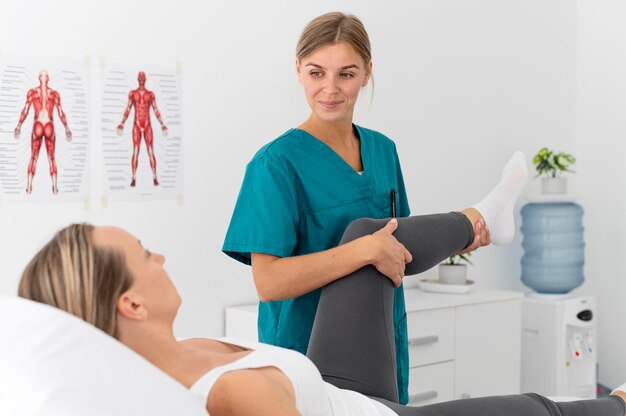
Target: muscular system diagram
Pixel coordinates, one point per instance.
(142, 100)
(44, 101)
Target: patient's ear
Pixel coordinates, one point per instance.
(131, 306)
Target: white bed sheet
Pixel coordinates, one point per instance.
(53, 363)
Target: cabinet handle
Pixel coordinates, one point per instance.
(428, 339)
(422, 397)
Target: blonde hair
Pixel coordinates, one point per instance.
(332, 28)
(74, 275)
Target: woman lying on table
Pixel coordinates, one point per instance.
(105, 276)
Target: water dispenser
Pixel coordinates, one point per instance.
(559, 330)
(559, 345)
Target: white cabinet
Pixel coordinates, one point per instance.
(241, 322)
(460, 346)
(488, 352)
(463, 346)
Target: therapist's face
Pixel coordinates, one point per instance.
(152, 285)
(332, 77)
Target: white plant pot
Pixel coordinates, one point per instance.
(552, 186)
(453, 274)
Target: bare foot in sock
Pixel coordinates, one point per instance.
(497, 207)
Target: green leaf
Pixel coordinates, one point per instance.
(549, 163)
(458, 258)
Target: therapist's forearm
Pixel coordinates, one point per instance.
(279, 278)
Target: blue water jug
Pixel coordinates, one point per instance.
(554, 247)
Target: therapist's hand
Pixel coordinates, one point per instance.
(391, 256)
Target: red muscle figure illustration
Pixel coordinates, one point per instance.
(142, 99)
(44, 100)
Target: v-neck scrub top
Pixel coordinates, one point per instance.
(298, 196)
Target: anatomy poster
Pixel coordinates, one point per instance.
(141, 133)
(44, 129)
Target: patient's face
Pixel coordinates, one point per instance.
(150, 280)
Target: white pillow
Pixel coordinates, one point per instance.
(52, 363)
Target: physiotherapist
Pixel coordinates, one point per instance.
(301, 190)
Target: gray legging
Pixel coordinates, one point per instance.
(352, 342)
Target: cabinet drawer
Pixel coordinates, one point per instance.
(431, 384)
(431, 336)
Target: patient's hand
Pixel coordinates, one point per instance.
(481, 237)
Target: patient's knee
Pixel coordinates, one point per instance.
(361, 227)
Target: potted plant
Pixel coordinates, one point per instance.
(454, 270)
(551, 164)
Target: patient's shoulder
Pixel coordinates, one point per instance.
(250, 391)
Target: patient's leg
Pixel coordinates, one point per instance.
(529, 404)
(352, 341)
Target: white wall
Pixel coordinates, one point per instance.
(459, 85)
(601, 144)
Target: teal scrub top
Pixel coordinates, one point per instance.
(297, 197)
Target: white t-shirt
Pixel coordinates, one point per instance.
(314, 397)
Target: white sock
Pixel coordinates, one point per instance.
(497, 207)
